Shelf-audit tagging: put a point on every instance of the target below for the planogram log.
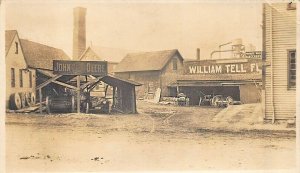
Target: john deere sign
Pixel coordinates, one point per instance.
(238, 66)
(98, 68)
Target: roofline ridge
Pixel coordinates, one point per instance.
(42, 44)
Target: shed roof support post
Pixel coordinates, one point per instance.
(134, 100)
(114, 96)
(78, 94)
(41, 97)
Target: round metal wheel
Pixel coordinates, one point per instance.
(27, 98)
(23, 99)
(214, 101)
(229, 100)
(15, 101)
(32, 98)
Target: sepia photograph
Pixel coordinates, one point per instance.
(151, 85)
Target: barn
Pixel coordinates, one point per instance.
(279, 77)
(153, 70)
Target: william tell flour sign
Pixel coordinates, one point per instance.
(230, 66)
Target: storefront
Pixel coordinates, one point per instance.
(238, 78)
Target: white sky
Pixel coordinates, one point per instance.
(139, 26)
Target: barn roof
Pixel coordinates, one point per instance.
(146, 61)
(9, 37)
(41, 56)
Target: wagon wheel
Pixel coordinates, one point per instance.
(15, 101)
(214, 101)
(32, 98)
(229, 100)
(48, 105)
(27, 98)
(23, 100)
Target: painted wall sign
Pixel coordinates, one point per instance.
(226, 67)
(80, 67)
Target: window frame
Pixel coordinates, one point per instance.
(13, 77)
(175, 64)
(21, 78)
(291, 6)
(289, 51)
(30, 79)
(17, 48)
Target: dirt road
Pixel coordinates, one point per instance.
(159, 138)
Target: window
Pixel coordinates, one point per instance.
(17, 48)
(292, 68)
(30, 79)
(174, 64)
(21, 78)
(13, 81)
(291, 6)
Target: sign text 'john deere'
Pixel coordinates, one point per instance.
(80, 67)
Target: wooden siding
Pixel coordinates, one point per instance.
(159, 79)
(279, 36)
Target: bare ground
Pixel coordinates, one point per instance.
(160, 137)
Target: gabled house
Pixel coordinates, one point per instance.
(152, 69)
(20, 79)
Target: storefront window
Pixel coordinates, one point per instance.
(292, 68)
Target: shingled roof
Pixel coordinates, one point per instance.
(41, 56)
(146, 61)
(9, 37)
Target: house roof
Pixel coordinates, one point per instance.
(41, 56)
(9, 37)
(111, 55)
(146, 61)
(89, 55)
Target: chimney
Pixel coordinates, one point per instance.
(198, 54)
(79, 36)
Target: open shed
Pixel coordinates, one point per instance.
(123, 100)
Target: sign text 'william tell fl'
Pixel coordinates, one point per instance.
(62, 67)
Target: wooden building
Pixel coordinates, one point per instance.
(279, 43)
(152, 69)
(20, 79)
(239, 78)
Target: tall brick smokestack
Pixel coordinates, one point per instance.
(79, 34)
